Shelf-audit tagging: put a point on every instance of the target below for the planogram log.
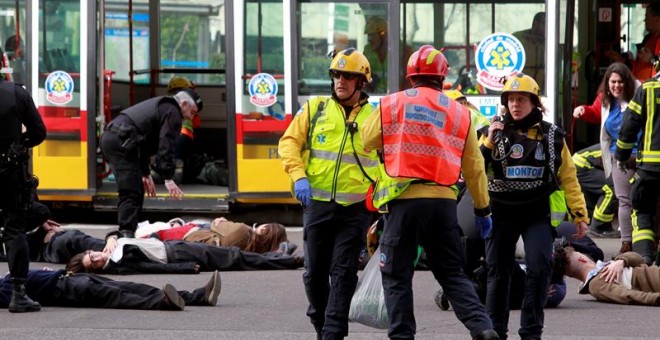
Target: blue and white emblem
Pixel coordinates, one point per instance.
(499, 55)
(517, 151)
(263, 90)
(59, 87)
(539, 154)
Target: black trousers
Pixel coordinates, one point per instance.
(431, 223)
(211, 257)
(14, 221)
(532, 222)
(125, 165)
(332, 236)
(89, 290)
(644, 198)
(598, 193)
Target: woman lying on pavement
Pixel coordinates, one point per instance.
(135, 255)
(65, 289)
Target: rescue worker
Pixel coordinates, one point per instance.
(641, 115)
(598, 191)
(422, 126)
(532, 167)
(478, 120)
(377, 51)
(132, 138)
(17, 184)
(331, 173)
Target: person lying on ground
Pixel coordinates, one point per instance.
(625, 280)
(133, 256)
(65, 289)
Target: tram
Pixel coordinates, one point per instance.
(255, 62)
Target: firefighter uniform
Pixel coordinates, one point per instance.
(598, 190)
(321, 146)
(422, 126)
(641, 115)
(17, 192)
(530, 162)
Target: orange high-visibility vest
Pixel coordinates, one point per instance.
(424, 135)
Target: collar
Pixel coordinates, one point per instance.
(584, 287)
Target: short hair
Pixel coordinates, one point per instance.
(10, 43)
(75, 264)
(560, 261)
(190, 96)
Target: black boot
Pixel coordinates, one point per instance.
(488, 334)
(20, 302)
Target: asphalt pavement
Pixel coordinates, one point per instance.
(258, 305)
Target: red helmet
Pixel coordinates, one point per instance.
(427, 61)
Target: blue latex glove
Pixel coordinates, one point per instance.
(303, 191)
(485, 225)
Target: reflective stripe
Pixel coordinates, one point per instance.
(426, 131)
(621, 145)
(649, 156)
(641, 234)
(599, 211)
(339, 196)
(498, 185)
(420, 149)
(634, 107)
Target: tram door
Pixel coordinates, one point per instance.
(62, 73)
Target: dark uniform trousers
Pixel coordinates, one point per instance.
(433, 224)
(14, 220)
(532, 222)
(125, 162)
(645, 193)
(598, 194)
(332, 236)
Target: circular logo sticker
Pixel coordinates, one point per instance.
(517, 151)
(59, 87)
(498, 56)
(263, 90)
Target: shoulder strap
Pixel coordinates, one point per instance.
(314, 116)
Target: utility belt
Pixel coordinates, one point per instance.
(128, 134)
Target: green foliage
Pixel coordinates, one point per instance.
(178, 37)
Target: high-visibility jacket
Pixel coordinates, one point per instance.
(424, 135)
(641, 114)
(336, 154)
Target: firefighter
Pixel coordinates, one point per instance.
(422, 126)
(532, 168)
(641, 115)
(17, 184)
(598, 191)
(143, 130)
(331, 173)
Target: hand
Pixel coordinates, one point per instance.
(110, 245)
(581, 230)
(173, 189)
(612, 272)
(485, 225)
(303, 191)
(623, 166)
(51, 225)
(149, 186)
(578, 112)
(492, 130)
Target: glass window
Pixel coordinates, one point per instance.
(13, 44)
(117, 57)
(327, 27)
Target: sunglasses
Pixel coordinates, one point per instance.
(347, 76)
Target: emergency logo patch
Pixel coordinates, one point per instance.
(411, 93)
(539, 155)
(320, 139)
(525, 172)
(263, 90)
(443, 100)
(498, 56)
(59, 87)
(383, 260)
(517, 151)
(341, 63)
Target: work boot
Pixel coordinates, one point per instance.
(171, 299)
(599, 229)
(20, 302)
(212, 289)
(488, 334)
(646, 249)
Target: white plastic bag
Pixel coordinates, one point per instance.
(368, 302)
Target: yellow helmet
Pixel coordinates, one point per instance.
(376, 24)
(521, 83)
(454, 94)
(351, 60)
(179, 83)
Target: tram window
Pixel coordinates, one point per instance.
(16, 58)
(326, 27)
(116, 37)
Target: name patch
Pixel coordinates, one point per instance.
(423, 114)
(524, 172)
